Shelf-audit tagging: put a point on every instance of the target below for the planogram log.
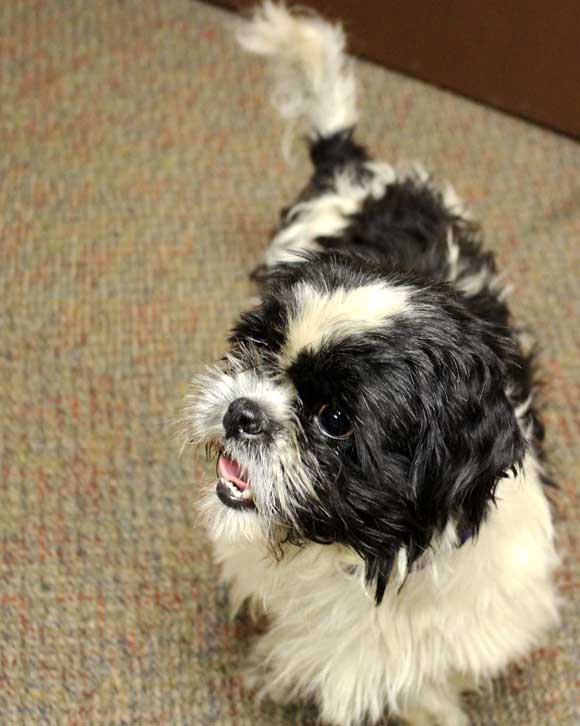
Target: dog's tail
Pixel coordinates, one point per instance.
(314, 79)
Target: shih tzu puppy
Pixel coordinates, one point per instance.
(379, 489)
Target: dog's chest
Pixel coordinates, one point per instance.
(321, 616)
(468, 612)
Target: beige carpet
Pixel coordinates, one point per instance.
(140, 171)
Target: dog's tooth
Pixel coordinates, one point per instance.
(233, 489)
(235, 492)
(229, 487)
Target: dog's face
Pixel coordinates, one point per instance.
(356, 408)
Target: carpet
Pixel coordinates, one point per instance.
(140, 173)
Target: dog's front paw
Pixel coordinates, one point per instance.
(263, 683)
(253, 679)
(453, 716)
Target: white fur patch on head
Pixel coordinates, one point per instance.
(323, 316)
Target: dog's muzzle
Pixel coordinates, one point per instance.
(244, 420)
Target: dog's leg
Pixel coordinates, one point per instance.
(345, 681)
(436, 706)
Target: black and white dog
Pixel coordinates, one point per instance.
(379, 490)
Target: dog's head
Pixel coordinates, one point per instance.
(356, 408)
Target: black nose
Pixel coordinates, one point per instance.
(244, 416)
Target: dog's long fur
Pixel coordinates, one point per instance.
(408, 554)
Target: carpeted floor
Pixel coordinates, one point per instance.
(140, 171)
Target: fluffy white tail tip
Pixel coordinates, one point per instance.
(313, 77)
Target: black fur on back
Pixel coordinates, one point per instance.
(331, 152)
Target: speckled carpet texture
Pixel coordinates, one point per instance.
(140, 172)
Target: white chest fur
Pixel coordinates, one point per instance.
(459, 619)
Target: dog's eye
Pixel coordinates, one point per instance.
(333, 422)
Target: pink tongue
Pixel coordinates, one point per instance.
(231, 471)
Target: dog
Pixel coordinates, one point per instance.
(380, 491)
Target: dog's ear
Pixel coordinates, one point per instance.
(468, 439)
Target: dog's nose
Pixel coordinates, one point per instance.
(244, 417)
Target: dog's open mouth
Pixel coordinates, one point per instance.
(231, 488)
